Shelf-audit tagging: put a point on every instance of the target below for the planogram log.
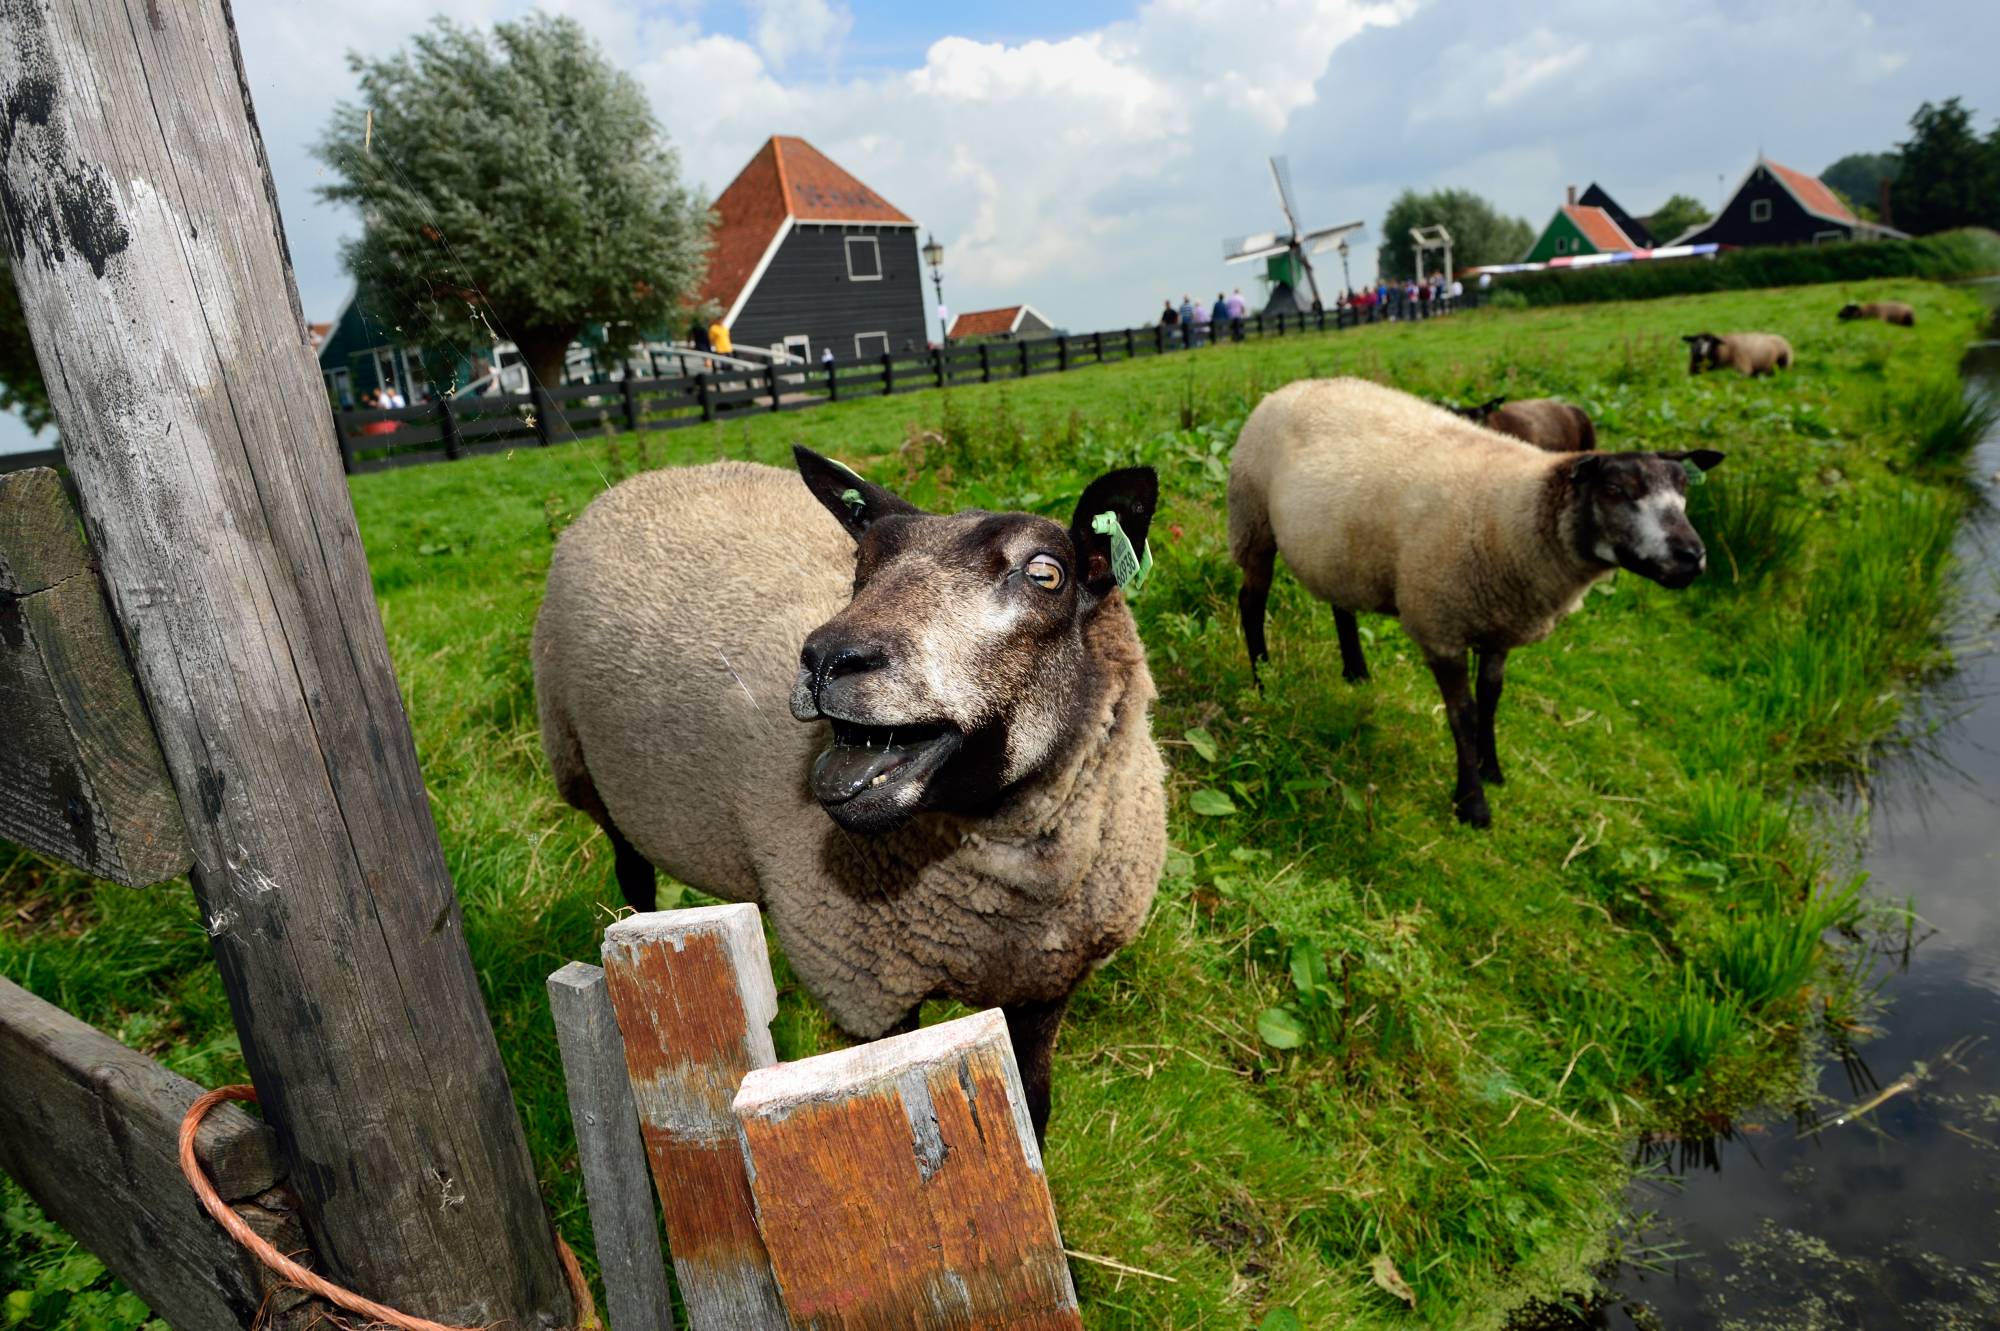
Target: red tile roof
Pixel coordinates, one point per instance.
(787, 178)
(1597, 227)
(982, 323)
(1813, 196)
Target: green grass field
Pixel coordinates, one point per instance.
(1355, 1041)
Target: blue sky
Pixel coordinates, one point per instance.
(1089, 157)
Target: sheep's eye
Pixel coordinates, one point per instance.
(1045, 572)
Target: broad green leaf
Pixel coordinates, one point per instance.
(1280, 1319)
(1212, 803)
(1280, 1029)
(1308, 966)
(1202, 743)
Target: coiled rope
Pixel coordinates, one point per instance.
(295, 1274)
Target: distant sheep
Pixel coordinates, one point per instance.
(1746, 353)
(1548, 423)
(973, 808)
(1888, 311)
(1382, 502)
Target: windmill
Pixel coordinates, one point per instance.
(1286, 253)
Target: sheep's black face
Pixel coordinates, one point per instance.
(1702, 348)
(1633, 511)
(960, 667)
(1850, 312)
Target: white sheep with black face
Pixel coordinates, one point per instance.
(973, 807)
(1752, 354)
(1479, 543)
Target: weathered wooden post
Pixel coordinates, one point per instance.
(448, 429)
(985, 362)
(771, 384)
(899, 1185)
(1022, 347)
(888, 374)
(1130, 350)
(1062, 352)
(152, 267)
(693, 994)
(1097, 347)
(832, 384)
(701, 395)
(543, 408)
(631, 390)
(938, 355)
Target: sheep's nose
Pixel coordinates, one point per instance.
(1691, 556)
(824, 663)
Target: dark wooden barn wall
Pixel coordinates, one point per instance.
(1790, 224)
(806, 290)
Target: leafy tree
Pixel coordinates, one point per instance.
(1480, 233)
(21, 387)
(1858, 178)
(1673, 218)
(516, 187)
(1950, 177)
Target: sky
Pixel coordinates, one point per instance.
(1090, 158)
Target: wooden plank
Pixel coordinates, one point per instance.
(898, 1185)
(693, 994)
(610, 1150)
(151, 264)
(81, 778)
(89, 1128)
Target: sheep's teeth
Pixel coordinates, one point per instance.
(880, 777)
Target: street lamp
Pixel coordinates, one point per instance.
(934, 256)
(1345, 280)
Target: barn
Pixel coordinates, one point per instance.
(1776, 205)
(1582, 227)
(807, 258)
(1009, 323)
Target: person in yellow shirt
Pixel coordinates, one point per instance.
(718, 338)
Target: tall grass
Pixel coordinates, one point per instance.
(1752, 528)
(1941, 420)
(1772, 955)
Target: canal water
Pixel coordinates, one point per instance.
(1890, 1219)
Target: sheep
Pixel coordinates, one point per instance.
(1747, 353)
(1477, 542)
(1888, 311)
(1548, 423)
(973, 807)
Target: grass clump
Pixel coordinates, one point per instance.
(1472, 1027)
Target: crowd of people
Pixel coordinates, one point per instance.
(1194, 322)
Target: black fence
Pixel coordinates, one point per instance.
(458, 427)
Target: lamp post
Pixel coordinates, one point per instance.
(1346, 281)
(934, 256)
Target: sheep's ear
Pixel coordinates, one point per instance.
(1130, 496)
(856, 501)
(1704, 459)
(1586, 469)
(1491, 405)
(1692, 338)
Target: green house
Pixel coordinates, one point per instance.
(1578, 229)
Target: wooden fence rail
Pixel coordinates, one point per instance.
(469, 426)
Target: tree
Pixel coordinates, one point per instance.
(1480, 233)
(1858, 178)
(21, 387)
(1950, 177)
(1674, 218)
(516, 187)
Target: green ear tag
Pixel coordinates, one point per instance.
(852, 498)
(1128, 568)
(1695, 475)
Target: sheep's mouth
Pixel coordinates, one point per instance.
(865, 762)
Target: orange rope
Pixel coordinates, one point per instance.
(295, 1274)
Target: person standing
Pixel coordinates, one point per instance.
(718, 339)
(1236, 312)
(1202, 316)
(1187, 319)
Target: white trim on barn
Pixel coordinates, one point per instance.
(863, 355)
(757, 273)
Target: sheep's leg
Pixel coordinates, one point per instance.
(1468, 797)
(1032, 1028)
(1353, 665)
(1492, 676)
(637, 878)
(1250, 602)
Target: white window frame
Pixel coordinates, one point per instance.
(864, 355)
(798, 344)
(874, 244)
(1821, 237)
(1760, 210)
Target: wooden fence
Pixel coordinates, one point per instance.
(457, 427)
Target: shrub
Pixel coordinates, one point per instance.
(1752, 527)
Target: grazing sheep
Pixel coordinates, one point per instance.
(973, 809)
(1550, 424)
(1746, 353)
(1888, 311)
(1478, 543)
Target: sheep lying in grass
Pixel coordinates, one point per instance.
(973, 809)
(1746, 353)
(1888, 311)
(1383, 502)
(1548, 423)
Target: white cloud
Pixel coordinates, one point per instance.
(789, 28)
(1532, 64)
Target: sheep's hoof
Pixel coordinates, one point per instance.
(1355, 676)
(1492, 775)
(1473, 812)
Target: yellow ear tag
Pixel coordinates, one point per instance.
(1128, 568)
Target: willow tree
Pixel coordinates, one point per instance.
(514, 187)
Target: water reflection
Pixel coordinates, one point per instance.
(1884, 1213)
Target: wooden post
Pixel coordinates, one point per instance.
(701, 395)
(631, 388)
(609, 1150)
(888, 373)
(902, 1176)
(1062, 352)
(448, 428)
(1022, 347)
(985, 363)
(1097, 346)
(1159, 339)
(937, 355)
(832, 383)
(693, 994)
(1260, 323)
(151, 264)
(542, 408)
(91, 1128)
(771, 384)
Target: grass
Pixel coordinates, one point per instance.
(1352, 1029)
